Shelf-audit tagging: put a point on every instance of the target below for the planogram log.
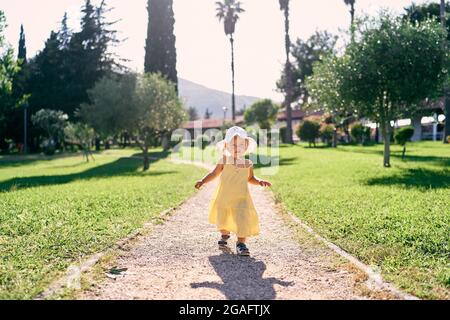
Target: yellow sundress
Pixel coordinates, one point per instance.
(232, 207)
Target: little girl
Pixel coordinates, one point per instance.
(232, 208)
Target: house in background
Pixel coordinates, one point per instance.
(298, 116)
(207, 124)
(428, 124)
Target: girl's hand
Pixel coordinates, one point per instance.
(199, 184)
(264, 183)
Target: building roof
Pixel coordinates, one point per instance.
(298, 114)
(436, 104)
(210, 123)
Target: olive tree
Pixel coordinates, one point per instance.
(81, 135)
(156, 111)
(384, 75)
(145, 106)
(110, 105)
(324, 87)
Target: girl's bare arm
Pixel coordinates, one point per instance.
(210, 176)
(253, 180)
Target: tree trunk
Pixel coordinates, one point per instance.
(352, 26)
(386, 131)
(85, 149)
(288, 98)
(289, 129)
(97, 144)
(447, 116)
(233, 98)
(417, 124)
(446, 88)
(165, 142)
(146, 159)
(404, 152)
(377, 133)
(347, 133)
(334, 143)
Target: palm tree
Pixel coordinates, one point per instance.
(351, 3)
(284, 6)
(229, 11)
(446, 88)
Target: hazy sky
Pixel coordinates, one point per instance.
(202, 48)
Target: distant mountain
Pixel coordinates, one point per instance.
(202, 98)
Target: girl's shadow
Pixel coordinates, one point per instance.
(242, 278)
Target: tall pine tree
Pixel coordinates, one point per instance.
(88, 56)
(8, 70)
(46, 82)
(72, 62)
(160, 51)
(65, 33)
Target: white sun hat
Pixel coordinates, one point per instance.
(237, 131)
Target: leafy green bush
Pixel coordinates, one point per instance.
(52, 124)
(49, 147)
(202, 141)
(175, 140)
(309, 131)
(326, 133)
(262, 112)
(283, 131)
(402, 136)
(360, 133)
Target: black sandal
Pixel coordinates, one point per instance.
(224, 240)
(242, 250)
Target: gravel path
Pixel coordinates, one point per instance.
(180, 260)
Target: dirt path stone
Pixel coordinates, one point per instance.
(180, 260)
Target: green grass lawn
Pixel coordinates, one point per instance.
(58, 210)
(397, 219)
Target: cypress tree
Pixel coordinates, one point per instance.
(160, 50)
(22, 52)
(19, 77)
